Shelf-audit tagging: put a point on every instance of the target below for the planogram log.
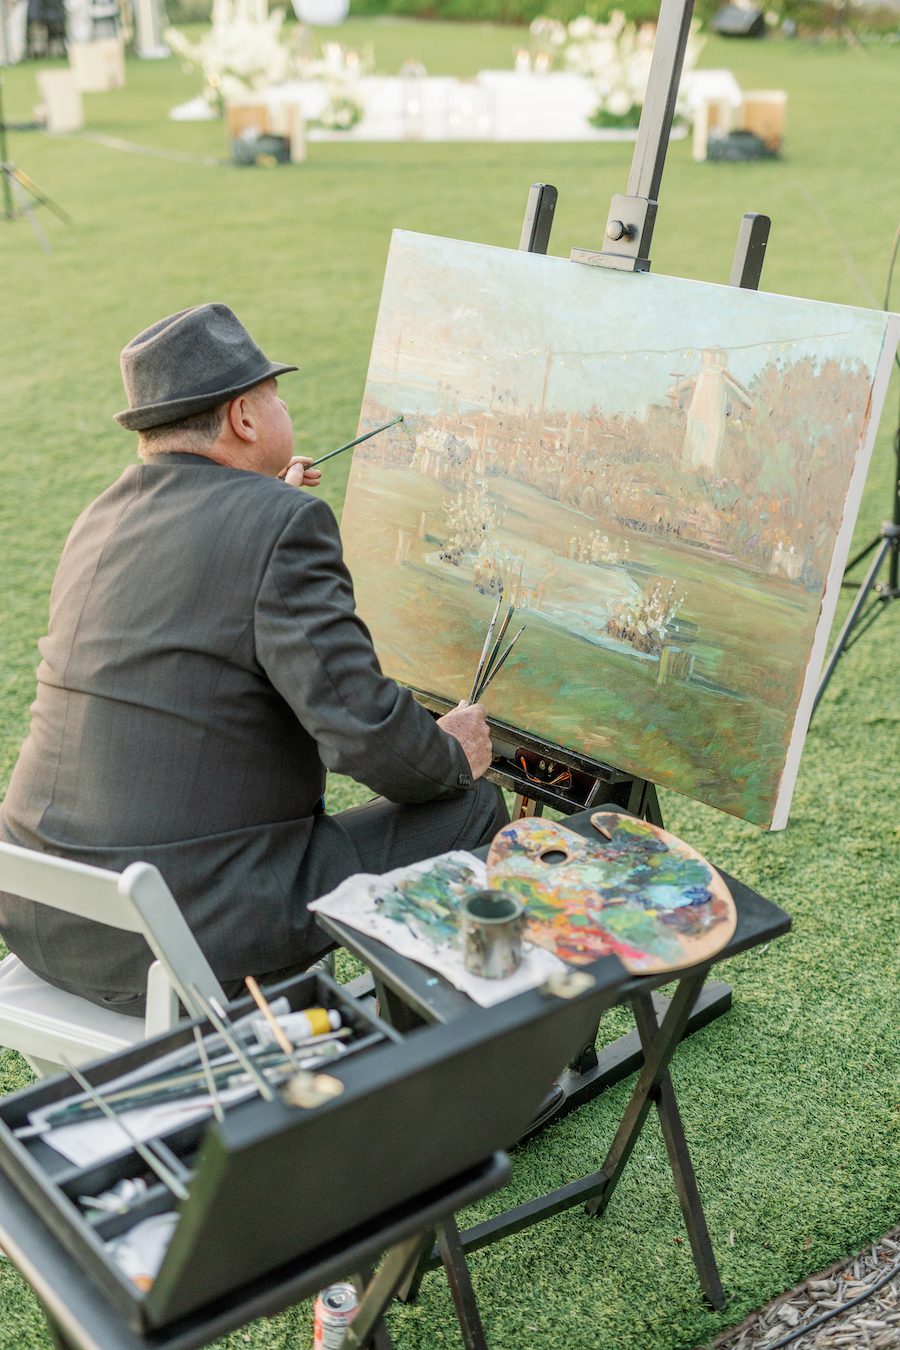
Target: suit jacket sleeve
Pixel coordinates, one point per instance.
(318, 654)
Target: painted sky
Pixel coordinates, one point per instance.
(618, 339)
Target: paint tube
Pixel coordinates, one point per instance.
(299, 1026)
(139, 1252)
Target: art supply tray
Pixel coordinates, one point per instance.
(54, 1186)
(273, 1184)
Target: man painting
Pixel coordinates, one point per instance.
(203, 667)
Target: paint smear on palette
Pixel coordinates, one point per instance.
(639, 893)
(427, 901)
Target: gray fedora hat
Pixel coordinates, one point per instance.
(188, 362)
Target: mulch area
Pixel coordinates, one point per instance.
(871, 1324)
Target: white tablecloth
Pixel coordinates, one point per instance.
(497, 105)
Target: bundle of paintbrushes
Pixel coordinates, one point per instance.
(280, 1053)
(492, 657)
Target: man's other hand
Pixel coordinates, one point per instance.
(299, 474)
(467, 723)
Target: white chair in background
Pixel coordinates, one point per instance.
(44, 1023)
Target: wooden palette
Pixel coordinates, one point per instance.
(636, 892)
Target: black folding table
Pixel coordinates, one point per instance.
(411, 994)
(80, 1318)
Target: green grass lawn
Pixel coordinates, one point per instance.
(791, 1102)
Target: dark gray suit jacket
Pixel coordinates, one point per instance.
(203, 667)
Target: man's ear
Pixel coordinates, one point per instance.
(240, 416)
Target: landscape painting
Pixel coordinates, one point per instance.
(662, 477)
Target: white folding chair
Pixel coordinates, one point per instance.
(43, 1023)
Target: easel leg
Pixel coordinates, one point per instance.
(526, 806)
(680, 1163)
(408, 1291)
(460, 1282)
(841, 642)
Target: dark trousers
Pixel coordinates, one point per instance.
(385, 835)
(381, 835)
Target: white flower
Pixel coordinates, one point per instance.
(619, 102)
(548, 32)
(616, 56)
(581, 29)
(240, 52)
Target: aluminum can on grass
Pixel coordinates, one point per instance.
(334, 1311)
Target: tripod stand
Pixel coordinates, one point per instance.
(20, 193)
(860, 619)
(886, 546)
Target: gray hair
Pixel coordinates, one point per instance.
(198, 433)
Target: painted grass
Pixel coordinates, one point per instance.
(791, 1102)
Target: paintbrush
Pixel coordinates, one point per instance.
(219, 1018)
(350, 444)
(496, 667)
(303, 1088)
(208, 1075)
(262, 1003)
(150, 1152)
(492, 654)
(484, 651)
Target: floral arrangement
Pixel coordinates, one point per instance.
(340, 67)
(644, 623)
(615, 56)
(341, 112)
(242, 51)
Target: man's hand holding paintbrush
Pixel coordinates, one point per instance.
(302, 471)
(468, 720)
(467, 723)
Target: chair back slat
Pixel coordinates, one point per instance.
(74, 887)
(170, 938)
(42, 1022)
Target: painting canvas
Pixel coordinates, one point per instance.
(661, 475)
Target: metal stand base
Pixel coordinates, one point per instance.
(20, 193)
(887, 544)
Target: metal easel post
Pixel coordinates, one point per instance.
(629, 230)
(535, 238)
(629, 226)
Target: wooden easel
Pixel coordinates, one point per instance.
(626, 248)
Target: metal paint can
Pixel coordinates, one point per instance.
(491, 925)
(335, 1309)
